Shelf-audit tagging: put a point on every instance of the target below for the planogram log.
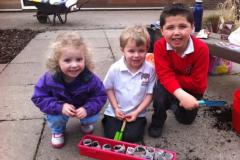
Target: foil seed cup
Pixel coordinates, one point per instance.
(140, 151)
(148, 157)
(119, 148)
(130, 150)
(87, 142)
(106, 147)
(95, 144)
(168, 156)
(150, 151)
(159, 155)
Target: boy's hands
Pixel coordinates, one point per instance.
(68, 110)
(132, 116)
(187, 101)
(119, 114)
(81, 113)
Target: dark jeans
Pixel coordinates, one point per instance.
(133, 132)
(163, 100)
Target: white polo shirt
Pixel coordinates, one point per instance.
(130, 88)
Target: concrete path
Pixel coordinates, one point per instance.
(25, 135)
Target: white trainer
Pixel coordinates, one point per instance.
(57, 140)
(87, 129)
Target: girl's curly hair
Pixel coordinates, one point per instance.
(68, 39)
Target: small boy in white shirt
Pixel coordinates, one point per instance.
(129, 84)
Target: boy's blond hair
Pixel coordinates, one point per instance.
(68, 39)
(138, 33)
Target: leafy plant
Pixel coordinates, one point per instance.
(229, 12)
(211, 22)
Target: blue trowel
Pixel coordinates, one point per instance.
(210, 103)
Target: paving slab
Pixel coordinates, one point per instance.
(36, 51)
(70, 150)
(116, 52)
(47, 35)
(113, 33)
(21, 74)
(101, 55)
(96, 38)
(113, 38)
(102, 59)
(16, 103)
(102, 68)
(221, 87)
(2, 66)
(91, 33)
(97, 42)
(19, 139)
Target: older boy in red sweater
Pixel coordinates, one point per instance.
(181, 62)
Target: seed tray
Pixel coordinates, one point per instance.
(101, 154)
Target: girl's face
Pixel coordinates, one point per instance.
(134, 55)
(71, 62)
(177, 31)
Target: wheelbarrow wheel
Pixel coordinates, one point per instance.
(41, 17)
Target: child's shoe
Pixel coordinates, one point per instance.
(57, 140)
(154, 132)
(87, 129)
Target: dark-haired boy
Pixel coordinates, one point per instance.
(181, 62)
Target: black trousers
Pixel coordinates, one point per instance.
(133, 132)
(163, 100)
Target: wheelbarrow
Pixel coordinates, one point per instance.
(44, 10)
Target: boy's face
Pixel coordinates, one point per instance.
(71, 62)
(134, 55)
(177, 31)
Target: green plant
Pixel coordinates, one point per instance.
(229, 12)
(211, 22)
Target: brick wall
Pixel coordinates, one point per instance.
(208, 4)
(10, 4)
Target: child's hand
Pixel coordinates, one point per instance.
(81, 113)
(130, 117)
(189, 102)
(119, 114)
(68, 110)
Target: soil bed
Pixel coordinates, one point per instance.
(12, 41)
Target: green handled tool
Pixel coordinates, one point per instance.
(119, 134)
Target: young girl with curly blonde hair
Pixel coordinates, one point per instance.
(69, 88)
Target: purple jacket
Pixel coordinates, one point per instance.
(87, 90)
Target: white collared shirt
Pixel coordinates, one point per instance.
(130, 88)
(189, 49)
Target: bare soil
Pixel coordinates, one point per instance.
(223, 118)
(12, 41)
